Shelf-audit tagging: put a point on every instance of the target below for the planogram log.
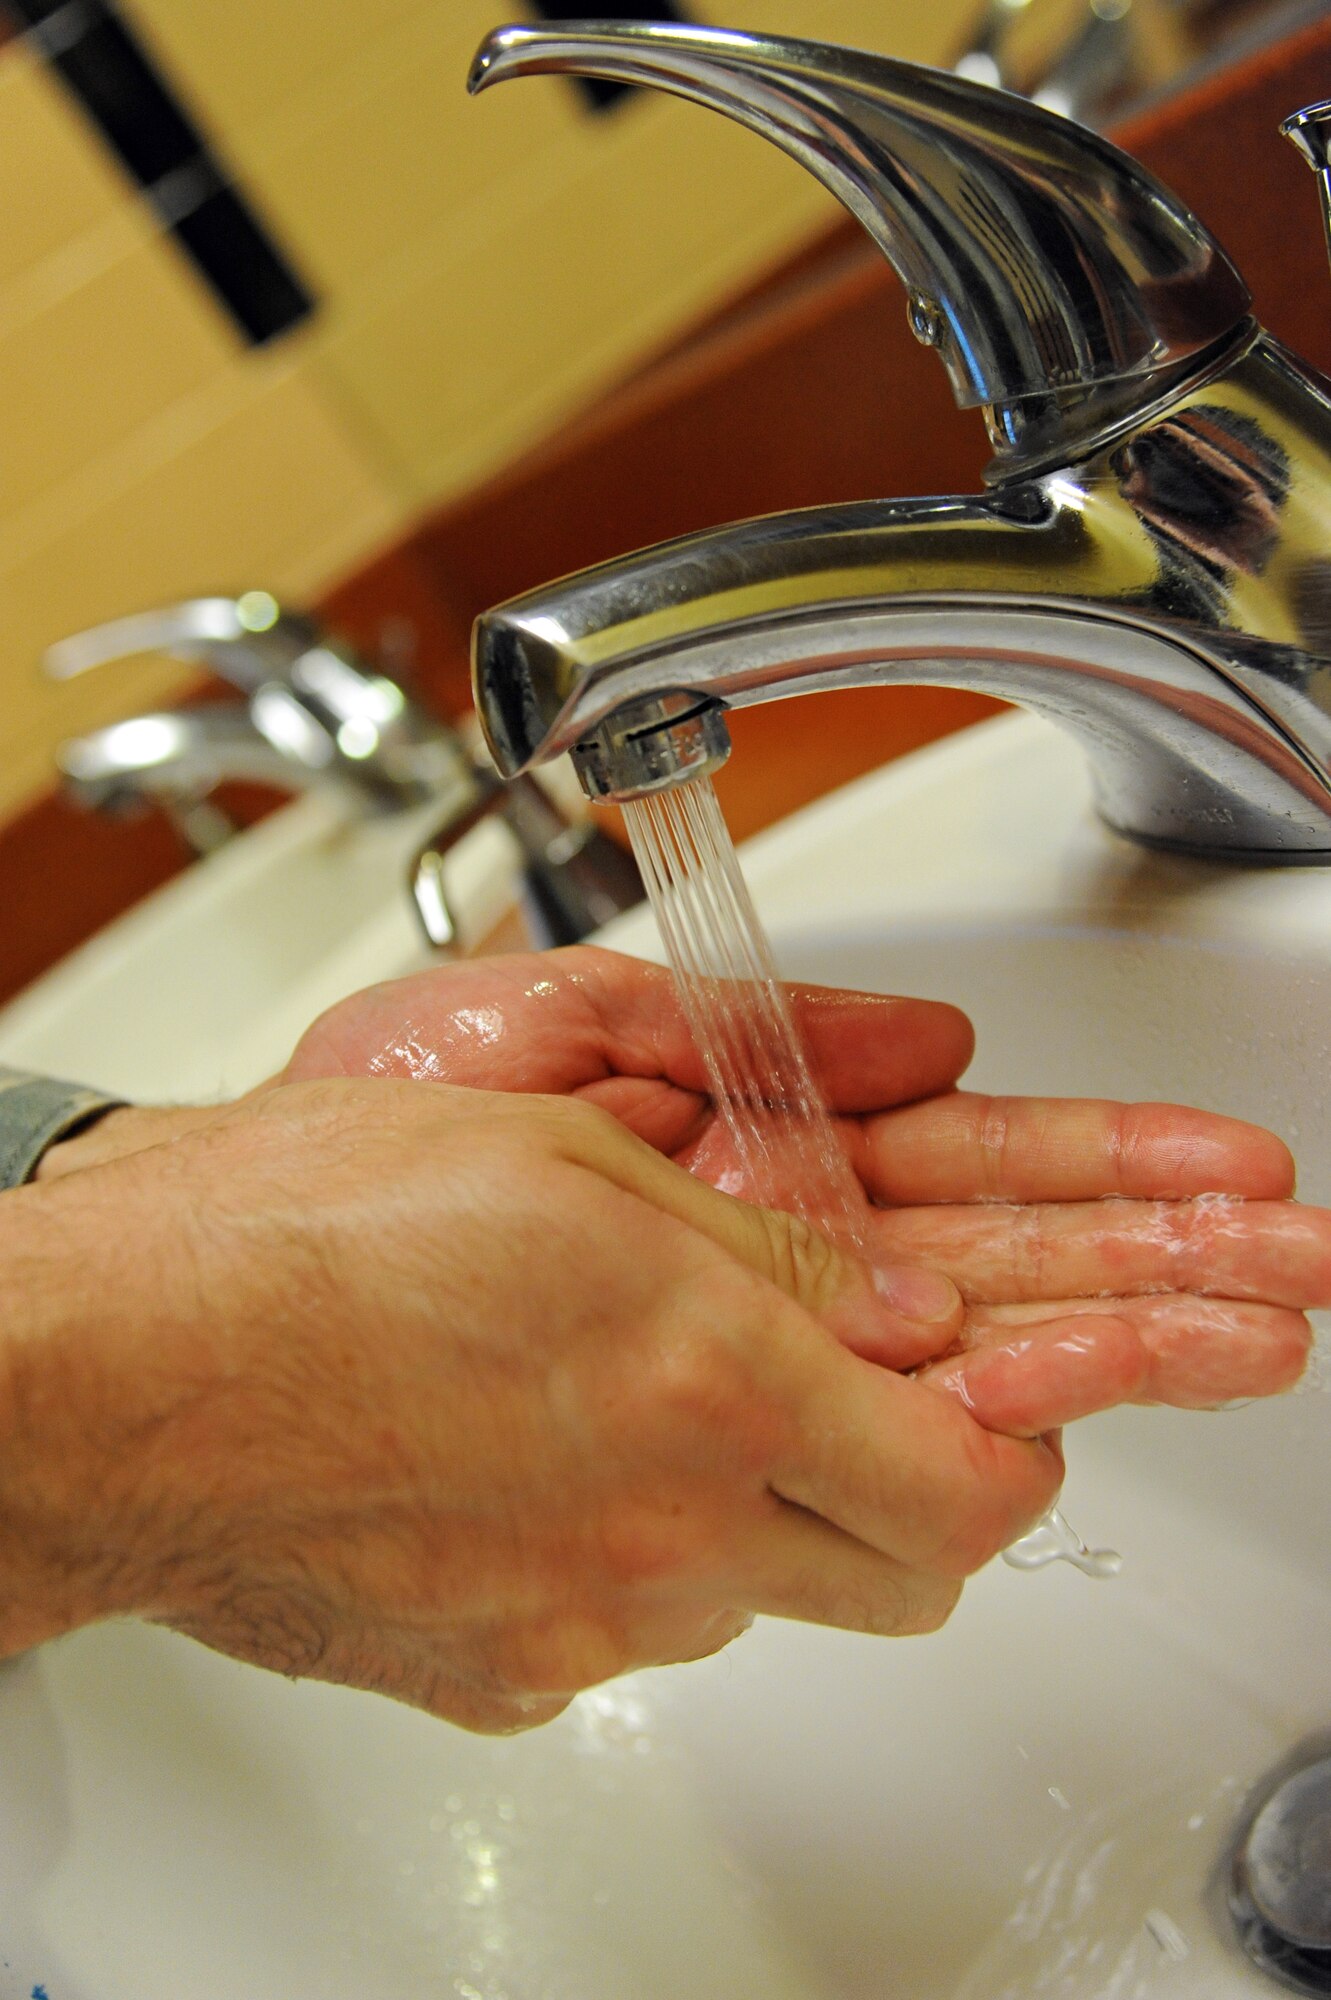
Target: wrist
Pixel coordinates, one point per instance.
(95, 1272)
(125, 1129)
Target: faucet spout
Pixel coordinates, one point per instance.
(1181, 644)
(1149, 567)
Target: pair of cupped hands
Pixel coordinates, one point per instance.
(451, 1373)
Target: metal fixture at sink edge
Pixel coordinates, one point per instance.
(1280, 1889)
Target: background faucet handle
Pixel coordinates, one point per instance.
(245, 640)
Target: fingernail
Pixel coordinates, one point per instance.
(921, 1295)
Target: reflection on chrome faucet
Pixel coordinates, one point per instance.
(1148, 567)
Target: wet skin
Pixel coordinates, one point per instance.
(479, 1393)
(1092, 1252)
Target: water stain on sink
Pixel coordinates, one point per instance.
(1116, 1910)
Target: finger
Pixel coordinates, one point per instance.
(797, 1566)
(964, 1147)
(897, 1467)
(1048, 1377)
(888, 1311)
(909, 1472)
(1276, 1251)
(866, 1049)
(486, 1711)
(606, 1026)
(1200, 1352)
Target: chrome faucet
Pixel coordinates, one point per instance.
(314, 712)
(1151, 565)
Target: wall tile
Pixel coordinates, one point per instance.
(266, 490)
(508, 315)
(238, 59)
(380, 151)
(585, 243)
(485, 268)
(97, 362)
(56, 179)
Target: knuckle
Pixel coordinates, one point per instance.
(803, 1262)
(494, 1716)
(880, 1597)
(1031, 1248)
(911, 1604)
(712, 1635)
(706, 1395)
(651, 1542)
(885, 1610)
(1011, 1484)
(694, 1381)
(558, 1656)
(993, 1132)
(483, 1712)
(932, 1607)
(1292, 1345)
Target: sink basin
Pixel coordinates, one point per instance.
(203, 989)
(1037, 1801)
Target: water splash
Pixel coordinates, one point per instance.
(1054, 1540)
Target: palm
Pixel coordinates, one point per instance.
(1045, 1214)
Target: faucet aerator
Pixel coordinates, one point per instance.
(649, 746)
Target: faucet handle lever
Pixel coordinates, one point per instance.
(1041, 261)
(247, 639)
(1309, 132)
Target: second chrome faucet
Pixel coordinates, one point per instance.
(314, 713)
(1151, 565)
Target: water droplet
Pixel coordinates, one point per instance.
(1168, 1936)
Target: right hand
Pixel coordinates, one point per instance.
(471, 1398)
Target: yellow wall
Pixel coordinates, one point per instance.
(483, 269)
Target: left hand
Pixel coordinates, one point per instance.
(1042, 1259)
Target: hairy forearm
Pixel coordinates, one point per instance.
(88, 1263)
(90, 1272)
(50, 1276)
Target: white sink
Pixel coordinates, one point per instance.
(1036, 1801)
(203, 989)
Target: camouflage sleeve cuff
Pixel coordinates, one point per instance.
(35, 1111)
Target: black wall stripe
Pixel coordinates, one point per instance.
(600, 91)
(100, 60)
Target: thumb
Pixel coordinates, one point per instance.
(890, 1313)
(895, 1315)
